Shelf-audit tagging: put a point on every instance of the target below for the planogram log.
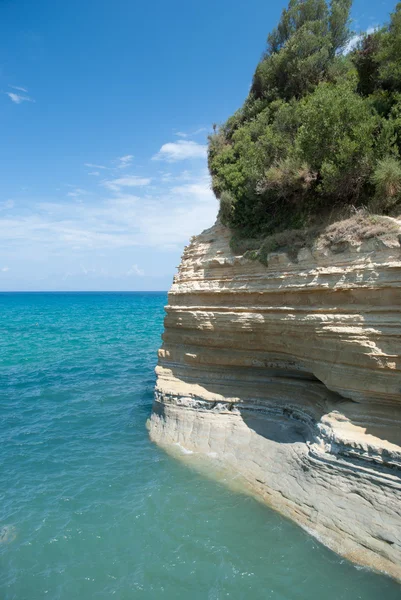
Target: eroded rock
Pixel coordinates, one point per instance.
(291, 375)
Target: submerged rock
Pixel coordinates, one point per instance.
(8, 533)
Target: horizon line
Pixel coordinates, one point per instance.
(83, 291)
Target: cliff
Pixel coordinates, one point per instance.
(291, 375)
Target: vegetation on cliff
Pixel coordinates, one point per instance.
(320, 129)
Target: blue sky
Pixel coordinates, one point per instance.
(104, 115)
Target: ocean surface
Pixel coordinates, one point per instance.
(90, 509)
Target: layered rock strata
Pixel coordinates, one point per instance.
(290, 374)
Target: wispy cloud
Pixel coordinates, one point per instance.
(124, 161)
(18, 88)
(6, 204)
(5, 269)
(129, 181)
(135, 270)
(86, 271)
(165, 219)
(123, 230)
(77, 192)
(182, 176)
(92, 166)
(183, 134)
(95, 173)
(353, 42)
(181, 150)
(18, 98)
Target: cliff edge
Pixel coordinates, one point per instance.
(291, 374)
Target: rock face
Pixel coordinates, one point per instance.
(291, 375)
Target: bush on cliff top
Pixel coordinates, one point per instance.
(320, 129)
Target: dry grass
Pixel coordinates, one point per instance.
(337, 236)
(362, 226)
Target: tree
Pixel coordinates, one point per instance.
(336, 139)
(301, 48)
(339, 24)
(318, 128)
(389, 54)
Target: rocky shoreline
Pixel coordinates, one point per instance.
(290, 374)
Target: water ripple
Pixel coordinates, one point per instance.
(90, 509)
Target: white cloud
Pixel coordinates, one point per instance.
(77, 192)
(18, 98)
(130, 181)
(124, 161)
(180, 212)
(129, 229)
(353, 42)
(170, 178)
(6, 204)
(135, 270)
(92, 166)
(17, 87)
(182, 134)
(95, 173)
(181, 150)
(86, 271)
(5, 269)
(198, 190)
(165, 219)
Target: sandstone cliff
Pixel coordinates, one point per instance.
(291, 374)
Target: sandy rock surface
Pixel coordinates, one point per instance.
(291, 375)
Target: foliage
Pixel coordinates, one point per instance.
(320, 129)
(226, 207)
(387, 180)
(389, 54)
(336, 139)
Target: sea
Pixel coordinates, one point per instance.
(91, 509)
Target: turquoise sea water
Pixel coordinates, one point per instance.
(90, 509)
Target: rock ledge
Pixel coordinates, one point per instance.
(290, 374)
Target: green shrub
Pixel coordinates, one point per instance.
(387, 181)
(289, 179)
(226, 208)
(389, 54)
(336, 138)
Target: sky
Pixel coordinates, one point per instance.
(105, 108)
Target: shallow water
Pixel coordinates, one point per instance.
(89, 508)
